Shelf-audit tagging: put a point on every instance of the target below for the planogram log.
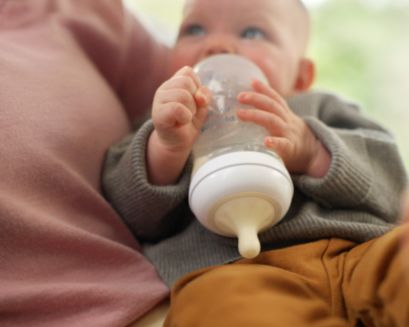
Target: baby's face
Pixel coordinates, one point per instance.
(271, 33)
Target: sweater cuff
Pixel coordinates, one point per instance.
(145, 207)
(347, 182)
(178, 190)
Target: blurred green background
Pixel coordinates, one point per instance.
(361, 49)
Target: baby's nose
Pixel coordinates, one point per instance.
(219, 46)
(219, 49)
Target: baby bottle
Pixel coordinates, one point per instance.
(238, 187)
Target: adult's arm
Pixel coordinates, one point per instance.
(71, 79)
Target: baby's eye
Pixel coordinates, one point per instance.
(253, 33)
(194, 30)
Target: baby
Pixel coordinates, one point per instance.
(278, 49)
(334, 260)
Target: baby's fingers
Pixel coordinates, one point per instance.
(267, 90)
(280, 145)
(177, 95)
(263, 102)
(180, 82)
(171, 115)
(274, 124)
(188, 71)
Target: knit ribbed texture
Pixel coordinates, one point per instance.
(358, 199)
(127, 187)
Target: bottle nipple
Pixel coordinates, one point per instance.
(245, 216)
(249, 244)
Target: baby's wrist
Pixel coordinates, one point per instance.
(320, 161)
(166, 149)
(164, 163)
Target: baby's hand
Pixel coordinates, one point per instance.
(179, 110)
(290, 137)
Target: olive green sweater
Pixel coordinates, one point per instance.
(358, 199)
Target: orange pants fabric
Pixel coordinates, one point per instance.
(327, 283)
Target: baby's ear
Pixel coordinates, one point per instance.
(306, 75)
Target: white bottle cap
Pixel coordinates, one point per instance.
(239, 194)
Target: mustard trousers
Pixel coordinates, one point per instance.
(326, 283)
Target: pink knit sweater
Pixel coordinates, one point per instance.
(73, 74)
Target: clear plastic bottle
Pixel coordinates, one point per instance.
(238, 188)
(227, 75)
